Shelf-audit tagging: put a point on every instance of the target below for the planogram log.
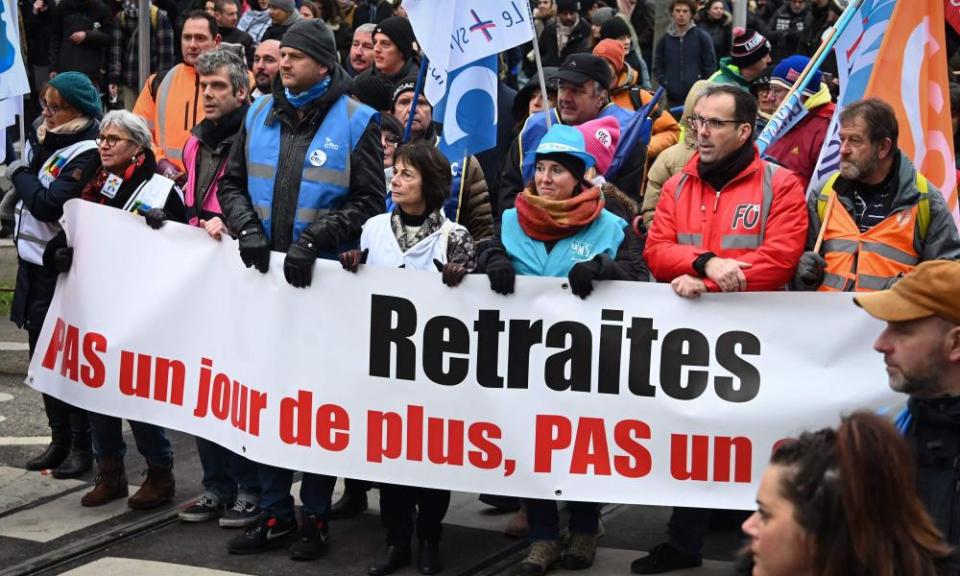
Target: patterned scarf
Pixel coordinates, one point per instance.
(91, 192)
(552, 220)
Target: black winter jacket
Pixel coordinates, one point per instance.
(934, 436)
(680, 61)
(35, 284)
(330, 230)
(788, 31)
(89, 16)
(579, 41)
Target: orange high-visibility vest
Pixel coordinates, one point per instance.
(867, 261)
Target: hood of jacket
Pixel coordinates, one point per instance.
(705, 19)
(676, 32)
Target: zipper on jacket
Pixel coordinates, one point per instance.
(196, 96)
(716, 202)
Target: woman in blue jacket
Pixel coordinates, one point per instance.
(559, 226)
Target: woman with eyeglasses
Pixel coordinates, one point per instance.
(124, 176)
(843, 502)
(414, 235)
(61, 144)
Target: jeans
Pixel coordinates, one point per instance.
(316, 490)
(544, 518)
(152, 441)
(226, 473)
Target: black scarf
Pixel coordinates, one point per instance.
(214, 133)
(719, 173)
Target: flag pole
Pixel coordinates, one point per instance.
(417, 90)
(793, 96)
(536, 55)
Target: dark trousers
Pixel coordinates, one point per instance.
(687, 529)
(69, 425)
(397, 505)
(275, 484)
(544, 518)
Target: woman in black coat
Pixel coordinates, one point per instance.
(718, 23)
(61, 145)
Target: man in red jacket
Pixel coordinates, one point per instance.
(799, 148)
(729, 221)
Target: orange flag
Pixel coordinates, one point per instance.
(911, 75)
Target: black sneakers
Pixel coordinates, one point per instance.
(268, 531)
(664, 558)
(206, 507)
(311, 542)
(243, 513)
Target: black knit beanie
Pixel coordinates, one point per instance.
(313, 38)
(373, 91)
(399, 30)
(614, 28)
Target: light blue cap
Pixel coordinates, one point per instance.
(562, 139)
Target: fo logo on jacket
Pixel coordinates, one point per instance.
(746, 214)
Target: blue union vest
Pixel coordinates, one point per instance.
(530, 258)
(325, 180)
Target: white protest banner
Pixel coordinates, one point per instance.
(632, 395)
(13, 74)
(454, 33)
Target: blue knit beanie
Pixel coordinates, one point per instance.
(77, 89)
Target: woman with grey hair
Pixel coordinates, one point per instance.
(123, 176)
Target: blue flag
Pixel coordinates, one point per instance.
(468, 110)
(637, 130)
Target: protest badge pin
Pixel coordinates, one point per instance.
(111, 186)
(318, 157)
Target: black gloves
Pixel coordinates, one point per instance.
(502, 275)
(155, 217)
(810, 271)
(58, 255)
(451, 273)
(254, 249)
(298, 265)
(352, 259)
(582, 275)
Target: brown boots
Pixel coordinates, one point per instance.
(111, 483)
(157, 489)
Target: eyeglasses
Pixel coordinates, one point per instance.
(110, 141)
(391, 139)
(698, 122)
(51, 108)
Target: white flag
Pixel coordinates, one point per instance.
(453, 33)
(13, 74)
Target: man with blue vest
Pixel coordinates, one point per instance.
(305, 174)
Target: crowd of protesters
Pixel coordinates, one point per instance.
(295, 126)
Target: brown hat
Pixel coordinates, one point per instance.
(930, 289)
